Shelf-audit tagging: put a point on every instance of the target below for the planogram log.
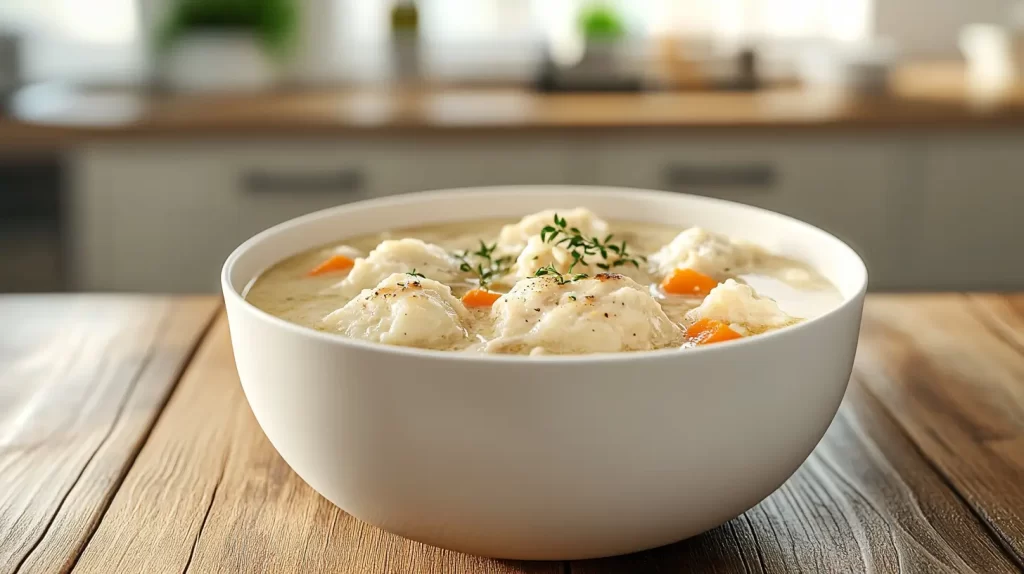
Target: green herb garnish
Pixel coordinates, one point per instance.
(415, 274)
(580, 248)
(550, 270)
(483, 264)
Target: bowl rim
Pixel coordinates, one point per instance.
(229, 292)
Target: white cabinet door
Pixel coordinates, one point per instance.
(845, 184)
(969, 226)
(163, 217)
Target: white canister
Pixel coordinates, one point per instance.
(218, 61)
(988, 50)
(315, 59)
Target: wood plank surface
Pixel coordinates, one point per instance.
(938, 386)
(81, 382)
(952, 367)
(208, 493)
(865, 501)
(921, 471)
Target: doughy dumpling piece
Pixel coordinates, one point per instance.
(538, 254)
(400, 256)
(738, 304)
(514, 237)
(403, 310)
(346, 250)
(605, 314)
(709, 253)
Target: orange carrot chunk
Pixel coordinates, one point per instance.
(335, 263)
(707, 331)
(688, 282)
(480, 298)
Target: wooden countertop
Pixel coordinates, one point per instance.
(126, 445)
(920, 96)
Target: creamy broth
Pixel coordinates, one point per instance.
(287, 290)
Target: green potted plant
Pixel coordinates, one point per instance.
(226, 45)
(405, 53)
(603, 30)
(600, 22)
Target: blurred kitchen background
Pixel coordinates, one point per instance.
(142, 140)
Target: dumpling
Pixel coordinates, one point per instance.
(709, 253)
(513, 238)
(737, 304)
(539, 254)
(346, 250)
(605, 314)
(400, 256)
(403, 310)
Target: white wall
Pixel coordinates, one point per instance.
(920, 28)
(929, 28)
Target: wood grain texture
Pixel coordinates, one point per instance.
(921, 471)
(952, 368)
(81, 382)
(865, 501)
(208, 493)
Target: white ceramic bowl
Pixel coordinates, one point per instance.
(544, 457)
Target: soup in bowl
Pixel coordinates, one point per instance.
(544, 372)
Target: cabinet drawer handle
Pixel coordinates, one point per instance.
(347, 180)
(684, 176)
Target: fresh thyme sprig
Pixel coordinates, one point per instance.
(550, 270)
(487, 268)
(580, 248)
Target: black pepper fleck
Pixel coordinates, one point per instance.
(606, 315)
(537, 309)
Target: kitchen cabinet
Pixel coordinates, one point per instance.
(163, 217)
(968, 225)
(926, 210)
(843, 184)
(31, 250)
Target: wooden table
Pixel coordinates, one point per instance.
(126, 445)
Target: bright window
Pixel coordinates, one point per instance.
(88, 39)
